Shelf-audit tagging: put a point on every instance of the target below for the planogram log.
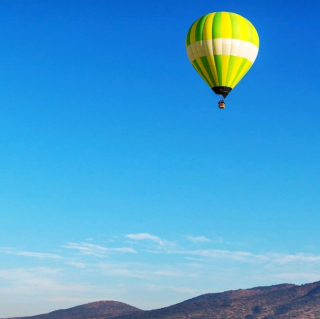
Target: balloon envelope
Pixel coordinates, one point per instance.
(222, 47)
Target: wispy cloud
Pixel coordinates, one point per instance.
(11, 251)
(248, 257)
(97, 250)
(146, 236)
(298, 257)
(41, 280)
(29, 279)
(194, 259)
(224, 254)
(40, 287)
(153, 244)
(38, 255)
(298, 276)
(75, 264)
(198, 239)
(142, 271)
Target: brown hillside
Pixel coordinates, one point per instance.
(274, 302)
(94, 310)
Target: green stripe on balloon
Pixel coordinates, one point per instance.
(189, 34)
(199, 28)
(188, 37)
(232, 61)
(197, 67)
(235, 26)
(208, 69)
(217, 26)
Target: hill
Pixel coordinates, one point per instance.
(94, 310)
(273, 302)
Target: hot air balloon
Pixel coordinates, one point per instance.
(222, 47)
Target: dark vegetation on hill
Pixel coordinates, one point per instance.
(274, 302)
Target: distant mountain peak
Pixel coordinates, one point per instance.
(103, 309)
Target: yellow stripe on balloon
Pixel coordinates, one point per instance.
(226, 25)
(243, 72)
(244, 28)
(207, 28)
(255, 35)
(213, 68)
(226, 34)
(234, 71)
(225, 64)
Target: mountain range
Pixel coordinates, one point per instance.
(272, 302)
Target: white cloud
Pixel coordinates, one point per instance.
(198, 239)
(29, 279)
(75, 264)
(10, 251)
(195, 259)
(37, 255)
(298, 276)
(224, 254)
(154, 244)
(28, 291)
(242, 256)
(195, 265)
(146, 236)
(97, 250)
(142, 271)
(298, 257)
(45, 283)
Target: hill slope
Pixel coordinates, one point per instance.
(274, 302)
(94, 310)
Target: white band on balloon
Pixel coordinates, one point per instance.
(222, 46)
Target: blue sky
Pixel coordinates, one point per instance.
(122, 180)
